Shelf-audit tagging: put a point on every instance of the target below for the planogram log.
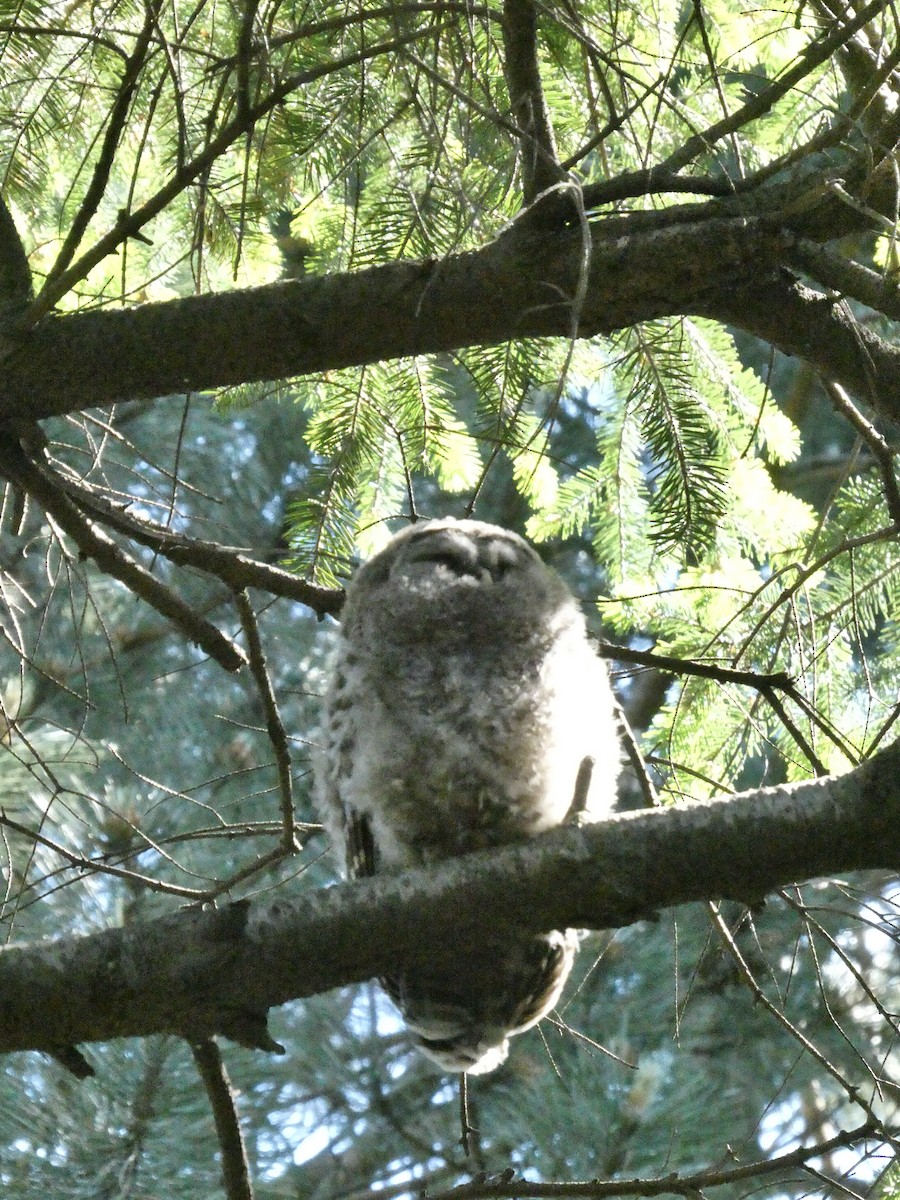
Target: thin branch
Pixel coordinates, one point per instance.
(505, 1187)
(852, 1091)
(131, 223)
(59, 33)
(881, 451)
(876, 290)
(700, 21)
(795, 732)
(228, 563)
(460, 95)
(96, 544)
(235, 1167)
(636, 760)
(804, 911)
(339, 23)
(117, 119)
(146, 1105)
(262, 862)
(846, 546)
(758, 105)
(98, 866)
(665, 176)
(274, 724)
(685, 666)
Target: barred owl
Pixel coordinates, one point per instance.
(463, 700)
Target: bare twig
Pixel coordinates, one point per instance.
(99, 866)
(685, 666)
(852, 1091)
(228, 563)
(505, 1187)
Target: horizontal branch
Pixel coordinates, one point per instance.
(219, 971)
(521, 285)
(712, 259)
(508, 1186)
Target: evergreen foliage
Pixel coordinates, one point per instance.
(707, 496)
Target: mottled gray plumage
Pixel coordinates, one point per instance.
(463, 699)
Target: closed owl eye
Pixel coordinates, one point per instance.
(441, 547)
(499, 557)
(479, 557)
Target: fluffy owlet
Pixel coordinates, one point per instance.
(464, 698)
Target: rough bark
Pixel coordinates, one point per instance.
(712, 259)
(204, 972)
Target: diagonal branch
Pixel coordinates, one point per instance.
(114, 131)
(96, 544)
(228, 563)
(820, 329)
(131, 223)
(879, 448)
(760, 103)
(274, 724)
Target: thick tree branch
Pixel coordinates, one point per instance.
(712, 259)
(202, 972)
(521, 285)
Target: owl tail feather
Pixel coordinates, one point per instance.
(463, 1019)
